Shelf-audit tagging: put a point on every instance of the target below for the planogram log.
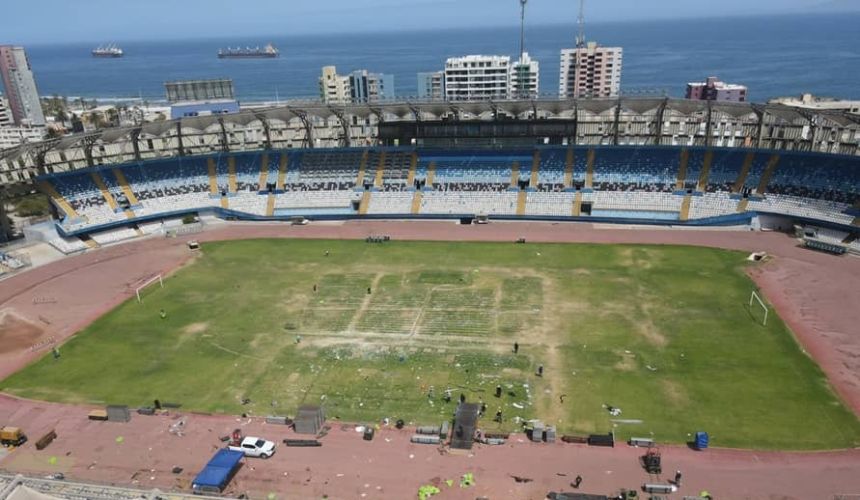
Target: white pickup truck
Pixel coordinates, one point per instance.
(255, 447)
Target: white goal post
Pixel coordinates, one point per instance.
(147, 283)
(754, 297)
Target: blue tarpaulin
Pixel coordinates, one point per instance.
(218, 471)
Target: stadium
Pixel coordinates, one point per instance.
(643, 269)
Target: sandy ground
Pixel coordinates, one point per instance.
(815, 293)
(143, 452)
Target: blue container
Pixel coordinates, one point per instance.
(702, 440)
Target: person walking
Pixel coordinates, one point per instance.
(516, 347)
(576, 482)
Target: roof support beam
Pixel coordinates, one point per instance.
(266, 130)
(225, 142)
(344, 125)
(134, 135)
(308, 124)
(760, 114)
(709, 124)
(658, 122)
(181, 148)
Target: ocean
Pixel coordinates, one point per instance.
(774, 56)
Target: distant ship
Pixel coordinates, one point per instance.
(108, 51)
(267, 52)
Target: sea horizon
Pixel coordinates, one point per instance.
(772, 58)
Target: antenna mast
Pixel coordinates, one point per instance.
(580, 38)
(522, 28)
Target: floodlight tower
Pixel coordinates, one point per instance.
(580, 38)
(522, 28)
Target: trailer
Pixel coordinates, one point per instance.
(218, 472)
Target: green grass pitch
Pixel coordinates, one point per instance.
(662, 332)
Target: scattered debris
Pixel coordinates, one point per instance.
(522, 479)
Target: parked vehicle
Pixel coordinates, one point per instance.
(12, 436)
(254, 447)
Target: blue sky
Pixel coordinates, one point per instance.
(98, 20)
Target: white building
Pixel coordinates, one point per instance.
(809, 101)
(21, 94)
(590, 71)
(477, 78)
(5, 113)
(334, 88)
(359, 86)
(525, 78)
(15, 136)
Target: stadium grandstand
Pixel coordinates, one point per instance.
(642, 161)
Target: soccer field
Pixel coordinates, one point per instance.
(663, 333)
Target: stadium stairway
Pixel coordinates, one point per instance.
(282, 172)
(589, 174)
(59, 200)
(534, 180)
(270, 205)
(89, 242)
(685, 207)
(225, 202)
(126, 188)
(577, 205)
(264, 171)
(380, 172)
(856, 221)
(745, 171)
(416, 202)
(682, 171)
(362, 167)
(515, 175)
(100, 183)
(231, 174)
(521, 202)
(213, 180)
(431, 174)
(772, 164)
(705, 174)
(413, 166)
(365, 203)
(742, 205)
(568, 169)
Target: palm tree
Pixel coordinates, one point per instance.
(96, 120)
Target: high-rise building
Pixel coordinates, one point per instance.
(358, 86)
(334, 88)
(590, 71)
(370, 87)
(431, 86)
(525, 78)
(21, 92)
(477, 78)
(5, 114)
(713, 89)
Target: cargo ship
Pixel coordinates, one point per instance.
(267, 52)
(108, 51)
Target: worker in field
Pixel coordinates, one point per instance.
(516, 347)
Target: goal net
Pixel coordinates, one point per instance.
(147, 283)
(756, 306)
